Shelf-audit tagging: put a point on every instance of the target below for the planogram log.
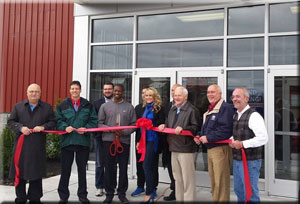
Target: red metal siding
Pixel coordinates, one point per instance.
(36, 46)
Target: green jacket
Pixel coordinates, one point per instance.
(84, 117)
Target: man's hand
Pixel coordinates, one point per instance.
(38, 128)
(237, 144)
(203, 139)
(232, 143)
(81, 130)
(25, 130)
(137, 145)
(197, 139)
(161, 127)
(69, 129)
(178, 130)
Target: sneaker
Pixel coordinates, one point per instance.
(99, 192)
(138, 191)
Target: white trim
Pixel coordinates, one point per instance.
(80, 55)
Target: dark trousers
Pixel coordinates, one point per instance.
(67, 156)
(99, 169)
(169, 166)
(110, 175)
(139, 171)
(150, 166)
(35, 191)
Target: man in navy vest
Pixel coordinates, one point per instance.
(249, 132)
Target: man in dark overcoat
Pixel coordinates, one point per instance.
(30, 117)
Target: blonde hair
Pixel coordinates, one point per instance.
(156, 97)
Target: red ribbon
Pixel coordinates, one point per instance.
(246, 177)
(143, 123)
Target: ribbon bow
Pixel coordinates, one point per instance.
(143, 123)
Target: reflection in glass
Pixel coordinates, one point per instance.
(111, 57)
(181, 25)
(247, 52)
(97, 81)
(284, 50)
(180, 54)
(254, 82)
(112, 30)
(284, 17)
(287, 127)
(246, 20)
(197, 87)
(161, 84)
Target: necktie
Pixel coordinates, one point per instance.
(75, 106)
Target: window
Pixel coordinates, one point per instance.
(112, 30)
(111, 57)
(284, 17)
(284, 50)
(246, 20)
(180, 54)
(97, 81)
(181, 25)
(246, 52)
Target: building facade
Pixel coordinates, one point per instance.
(254, 44)
(36, 46)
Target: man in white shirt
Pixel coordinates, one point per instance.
(250, 133)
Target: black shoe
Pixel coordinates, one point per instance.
(123, 199)
(84, 200)
(63, 202)
(108, 199)
(171, 197)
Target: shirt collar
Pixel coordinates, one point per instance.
(77, 102)
(119, 101)
(243, 111)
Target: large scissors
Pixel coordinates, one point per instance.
(116, 146)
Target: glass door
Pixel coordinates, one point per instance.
(197, 83)
(162, 80)
(283, 129)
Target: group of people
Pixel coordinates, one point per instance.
(74, 115)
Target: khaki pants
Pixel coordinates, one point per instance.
(219, 161)
(184, 174)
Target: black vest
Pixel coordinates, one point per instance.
(241, 131)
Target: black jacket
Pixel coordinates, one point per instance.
(159, 118)
(32, 162)
(97, 104)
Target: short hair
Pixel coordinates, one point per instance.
(217, 86)
(75, 82)
(184, 90)
(108, 83)
(245, 90)
(120, 85)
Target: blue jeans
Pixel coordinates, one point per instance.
(239, 183)
(99, 169)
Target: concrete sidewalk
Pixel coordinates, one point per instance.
(50, 191)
